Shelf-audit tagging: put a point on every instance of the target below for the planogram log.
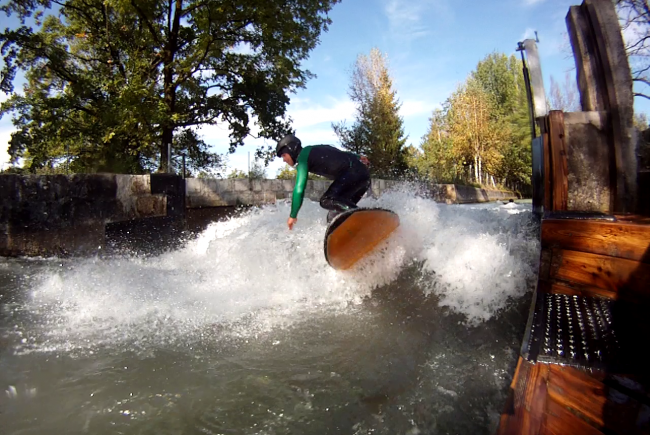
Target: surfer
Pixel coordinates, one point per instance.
(348, 171)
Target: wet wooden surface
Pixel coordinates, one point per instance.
(554, 399)
(626, 239)
(598, 259)
(558, 161)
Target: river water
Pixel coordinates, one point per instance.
(247, 330)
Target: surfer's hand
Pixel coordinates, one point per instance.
(291, 221)
(364, 160)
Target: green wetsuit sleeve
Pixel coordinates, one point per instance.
(301, 182)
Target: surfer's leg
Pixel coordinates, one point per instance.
(357, 184)
(345, 192)
(334, 199)
(360, 189)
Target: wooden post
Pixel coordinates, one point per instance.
(548, 182)
(605, 83)
(590, 83)
(558, 160)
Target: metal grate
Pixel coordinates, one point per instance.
(571, 330)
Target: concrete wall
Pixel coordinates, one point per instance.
(218, 193)
(59, 214)
(56, 214)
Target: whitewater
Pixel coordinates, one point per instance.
(246, 329)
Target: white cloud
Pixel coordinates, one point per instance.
(528, 34)
(306, 114)
(532, 2)
(311, 121)
(406, 18)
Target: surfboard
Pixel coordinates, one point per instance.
(355, 233)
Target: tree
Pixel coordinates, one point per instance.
(482, 133)
(566, 99)
(496, 75)
(502, 78)
(257, 172)
(237, 173)
(634, 17)
(643, 147)
(289, 173)
(113, 82)
(437, 161)
(478, 138)
(377, 131)
(352, 138)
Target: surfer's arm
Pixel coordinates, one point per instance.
(299, 188)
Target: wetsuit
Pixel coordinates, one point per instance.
(351, 178)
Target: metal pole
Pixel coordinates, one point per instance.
(529, 94)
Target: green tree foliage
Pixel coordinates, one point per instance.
(257, 172)
(477, 136)
(289, 173)
(436, 162)
(114, 84)
(482, 133)
(378, 130)
(237, 173)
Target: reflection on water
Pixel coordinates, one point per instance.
(246, 330)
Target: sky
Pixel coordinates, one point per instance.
(431, 45)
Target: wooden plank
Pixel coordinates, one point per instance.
(529, 387)
(535, 400)
(545, 263)
(548, 182)
(559, 421)
(585, 397)
(590, 82)
(620, 275)
(560, 172)
(615, 239)
(633, 218)
(619, 98)
(578, 391)
(510, 421)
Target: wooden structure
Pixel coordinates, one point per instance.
(554, 392)
(584, 366)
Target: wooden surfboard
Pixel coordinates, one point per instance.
(355, 233)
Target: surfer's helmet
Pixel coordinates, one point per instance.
(290, 145)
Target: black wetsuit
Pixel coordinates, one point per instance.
(351, 178)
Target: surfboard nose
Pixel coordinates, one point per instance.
(355, 233)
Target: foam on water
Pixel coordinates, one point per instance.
(249, 274)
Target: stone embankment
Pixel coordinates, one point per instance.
(60, 215)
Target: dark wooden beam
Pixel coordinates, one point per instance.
(559, 168)
(615, 239)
